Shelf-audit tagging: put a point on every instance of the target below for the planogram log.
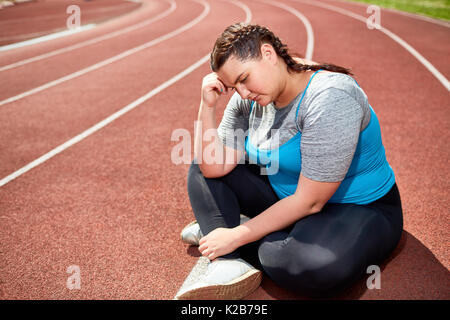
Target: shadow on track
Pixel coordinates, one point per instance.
(411, 272)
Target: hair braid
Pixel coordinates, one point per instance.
(244, 41)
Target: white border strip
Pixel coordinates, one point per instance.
(92, 41)
(113, 59)
(442, 79)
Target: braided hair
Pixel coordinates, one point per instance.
(244, 42)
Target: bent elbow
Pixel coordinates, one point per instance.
(316, 207)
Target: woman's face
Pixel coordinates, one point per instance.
(256, 79)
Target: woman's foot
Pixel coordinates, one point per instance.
(192, 234)
(225, 279)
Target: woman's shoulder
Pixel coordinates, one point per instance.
(336, 93)
(330, 81)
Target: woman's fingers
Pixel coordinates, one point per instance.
(212, 256)
(222, 87)
(207, 253)
(212, 89)
(205, 250)
(217, 85)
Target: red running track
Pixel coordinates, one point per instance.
(114, 203)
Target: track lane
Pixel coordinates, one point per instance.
(149, 8)
(104, 213)
(429, 39)
(30, 20)
(28, 78)
(98, 39)
(34, 125)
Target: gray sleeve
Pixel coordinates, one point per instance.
(331, 129)
(234, 124)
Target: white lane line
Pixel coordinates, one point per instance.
(48, 37)
(309, 30)
(206, 9)
(201, 265)
(92, 41)
(104, 122)
(403, 13)
(442, 79)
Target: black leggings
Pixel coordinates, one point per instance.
(319, 255)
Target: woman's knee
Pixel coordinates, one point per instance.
(309, 269)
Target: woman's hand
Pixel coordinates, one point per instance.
(212, 88)
(218, 243)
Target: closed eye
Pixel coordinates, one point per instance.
(241, 81)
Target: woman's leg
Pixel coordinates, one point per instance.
(218, 202)
(326, 252)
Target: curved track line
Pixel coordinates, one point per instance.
(309, 30)
(114, 58)
(92, 41)
(442, 79)
(403, 13)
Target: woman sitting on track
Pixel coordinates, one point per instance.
(321, 197)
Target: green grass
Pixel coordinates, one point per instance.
(439, 9)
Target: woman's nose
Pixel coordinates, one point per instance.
(243, 91)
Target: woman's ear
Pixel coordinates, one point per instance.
(268, 53)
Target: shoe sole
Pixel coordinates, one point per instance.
(234, 290)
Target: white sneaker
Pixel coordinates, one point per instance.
(225, 279)
(192, 234)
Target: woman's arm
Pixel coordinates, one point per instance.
(222, 159)
(309, 198)
(328, 144)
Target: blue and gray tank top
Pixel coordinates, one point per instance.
(329, 132)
